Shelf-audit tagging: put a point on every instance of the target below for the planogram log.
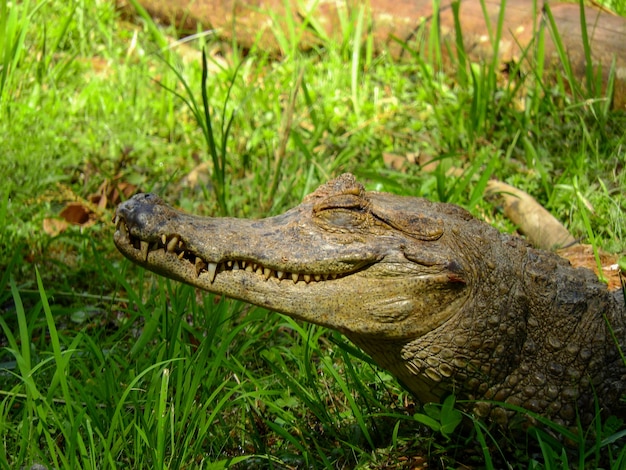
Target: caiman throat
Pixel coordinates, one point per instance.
(442, 300)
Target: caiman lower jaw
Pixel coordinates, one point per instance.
(165, 252)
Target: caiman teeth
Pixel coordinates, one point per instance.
(144, 248)
(173, 245)
(120, 226)
(212, 271)
(200, 265)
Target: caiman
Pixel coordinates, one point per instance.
(439, 298)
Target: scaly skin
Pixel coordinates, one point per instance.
(439, 298)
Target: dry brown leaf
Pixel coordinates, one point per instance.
(428, 162)
(77, 213)
(582, 256)
(395, 161)
(74, 213)
(54, 227)
(110, 193)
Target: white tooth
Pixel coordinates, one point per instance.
(212, 271)
(200, 265)
(333, 276)
(307, 278)
(243, 265)
(267, 272)
(294, 277)
(164, 239)
(144, 246)
(116, 220)
(259, 270)
(280, 274)
(249, 268)
(229, 264)
(171, 246)
(235, 266)
(181, 255)
(317, 277)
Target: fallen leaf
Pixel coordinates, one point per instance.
(76, 213)
(582, 256)
(53, 227)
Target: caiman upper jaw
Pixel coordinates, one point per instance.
(137, 243)
(173, 245)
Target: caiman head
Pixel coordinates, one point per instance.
(394, 274)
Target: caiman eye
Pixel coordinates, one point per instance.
(343, 218)
(341, 201)
(343, 210)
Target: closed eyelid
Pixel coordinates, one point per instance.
(342, 201)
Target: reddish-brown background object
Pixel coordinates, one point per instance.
(252, 22)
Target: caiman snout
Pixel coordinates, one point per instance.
(342, 250)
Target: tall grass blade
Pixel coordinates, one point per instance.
(461, 56)
(355, 63)
(286, 29)
(538, 64)
(358, 416)
(25, 360)
(61, 358)
(572, 82)
(162, 418)
(583, 211)
(219, 172)
(14, 22)
(285, 134)
(434, 38)
(217, 150)
(480, 436)
(117, 419)
(157, 35)
(589, 74)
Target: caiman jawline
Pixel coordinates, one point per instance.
(173, 245)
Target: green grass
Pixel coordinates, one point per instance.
(104, 365)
